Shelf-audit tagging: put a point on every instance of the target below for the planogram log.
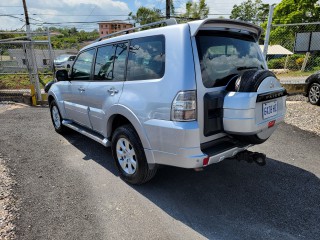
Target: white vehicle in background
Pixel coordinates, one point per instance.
(64, 61)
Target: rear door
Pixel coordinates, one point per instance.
(106, 87)
(76, 106)
(220, 56)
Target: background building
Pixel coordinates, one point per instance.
(106, 28)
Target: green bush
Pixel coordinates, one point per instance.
(277, 63)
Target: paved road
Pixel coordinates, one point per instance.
(69, 189)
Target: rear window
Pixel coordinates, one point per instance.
(224, 55)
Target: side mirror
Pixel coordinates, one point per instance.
(62, 75)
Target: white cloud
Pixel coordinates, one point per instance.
(66, 11)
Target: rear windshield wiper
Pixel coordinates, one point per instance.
(246, 68)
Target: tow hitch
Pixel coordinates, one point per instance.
(248, 156)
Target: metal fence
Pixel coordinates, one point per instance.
(286, 55)
(25, 61)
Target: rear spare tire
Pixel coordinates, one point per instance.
(249, 81)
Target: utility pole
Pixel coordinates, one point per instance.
(266, 40)
(27, 18)
(32, 61)
(168, 2)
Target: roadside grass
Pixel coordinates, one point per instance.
(295, 74)
(16, 81)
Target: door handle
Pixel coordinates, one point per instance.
(81, 89)
(113, 91)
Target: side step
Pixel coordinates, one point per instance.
(87, 132)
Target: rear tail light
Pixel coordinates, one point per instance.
(184, 107)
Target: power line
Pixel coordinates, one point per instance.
(11, 6)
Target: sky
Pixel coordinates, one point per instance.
(64, 13)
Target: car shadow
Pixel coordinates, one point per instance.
(231, 199)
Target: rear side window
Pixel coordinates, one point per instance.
(119, 65)
(146, 58)
(224, 55)
(82, 67)
(111, 62)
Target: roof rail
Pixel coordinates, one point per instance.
(170, 21)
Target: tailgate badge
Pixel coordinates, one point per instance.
(271, 84)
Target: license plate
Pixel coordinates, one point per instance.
(269, 109)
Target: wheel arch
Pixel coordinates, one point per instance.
(315, 78)
(119, 115)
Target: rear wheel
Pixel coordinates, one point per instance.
(129, 156)
(314, 94)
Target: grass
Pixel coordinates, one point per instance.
(15, 81)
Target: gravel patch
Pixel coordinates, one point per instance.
(302, 114)
(8, 203)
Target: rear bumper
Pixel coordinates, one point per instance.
(193, 157)
(178, 144)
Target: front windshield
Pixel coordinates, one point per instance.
(224, 55)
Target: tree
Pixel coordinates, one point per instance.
(146, 15)
(296, 11)
(196, 10)
(293, 11)
(250, 11)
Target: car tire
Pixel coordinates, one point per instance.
(56, 118)
(129, 156)
(314, 94)
(249, 81)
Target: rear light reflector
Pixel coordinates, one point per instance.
(271, 123)
(205, 161)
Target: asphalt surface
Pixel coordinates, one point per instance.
(69, 189)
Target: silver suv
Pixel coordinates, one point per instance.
(185, 95)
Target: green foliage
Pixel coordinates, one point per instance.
(295, 62)
(296, 11)
(71, 38)
(196, 10)
(277, 63)
(250, 11)
(293, 11)
(146, 15)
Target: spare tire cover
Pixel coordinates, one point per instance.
(249, 81)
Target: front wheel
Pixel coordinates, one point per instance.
(314, 94)
(129, 156)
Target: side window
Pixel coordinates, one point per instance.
(146, 58)
(82, 67)
(111, 62)
(120, 58)
(104, 63)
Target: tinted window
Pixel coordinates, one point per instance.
(119, 65)
(146, 58)
(224, 56)
(111, 62)
(82, 67)
(104, 63)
